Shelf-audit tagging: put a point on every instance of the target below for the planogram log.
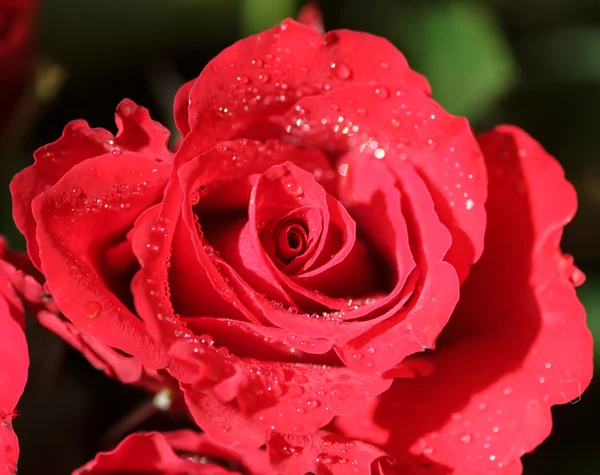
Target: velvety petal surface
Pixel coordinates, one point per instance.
(175, 453)
(137, 132)
(265, 74)
(14, 361)
(112, 190)
(516, 344)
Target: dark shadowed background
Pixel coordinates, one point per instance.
(534, 63)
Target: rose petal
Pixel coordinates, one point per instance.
(14, 361)
(114, 364)
(255, 462)
(517, 342)
(264, 74)
(261, 342)
(309, 395)
(155, 452)
(99, 190)
(137, 132)
(321, 453)
(403, 124)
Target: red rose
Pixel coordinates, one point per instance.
(16, 53)
(176, 452)
(14, 359)
(293, 265)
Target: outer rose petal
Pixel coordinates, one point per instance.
(153, 452)
(265, 74)
(136, 132)
(517, 342)
(95, 203)
(254, 462)
(126, 369)
(14, 361)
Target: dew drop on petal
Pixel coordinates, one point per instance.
(379, 153)
(341, 70)
(382, 92)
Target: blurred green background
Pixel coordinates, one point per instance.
(534, 63)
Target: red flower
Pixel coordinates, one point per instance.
(16, 52)
(176, 453)
(294, 263)
(14, 360)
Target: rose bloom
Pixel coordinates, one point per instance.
(331, 265)
(15, 287)
(16, 52)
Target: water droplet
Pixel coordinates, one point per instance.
(210, 251)
(243, 79)
(343, 169)
(382, 92)
(469, 204)
(324, 459)
(342, 391)
(313, 403)
(428, 451)
(152, 247)
(379, 153)
(507, 391)
(341, 70)
(194, 197)
(385, 66)
(465, 438)
(207, 340)
(292, 186)
(264, 77)
(299, 378)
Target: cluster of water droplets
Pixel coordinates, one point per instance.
(343, 133)
(157, 250)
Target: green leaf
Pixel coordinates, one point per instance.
(463, 52)
(260, 15)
